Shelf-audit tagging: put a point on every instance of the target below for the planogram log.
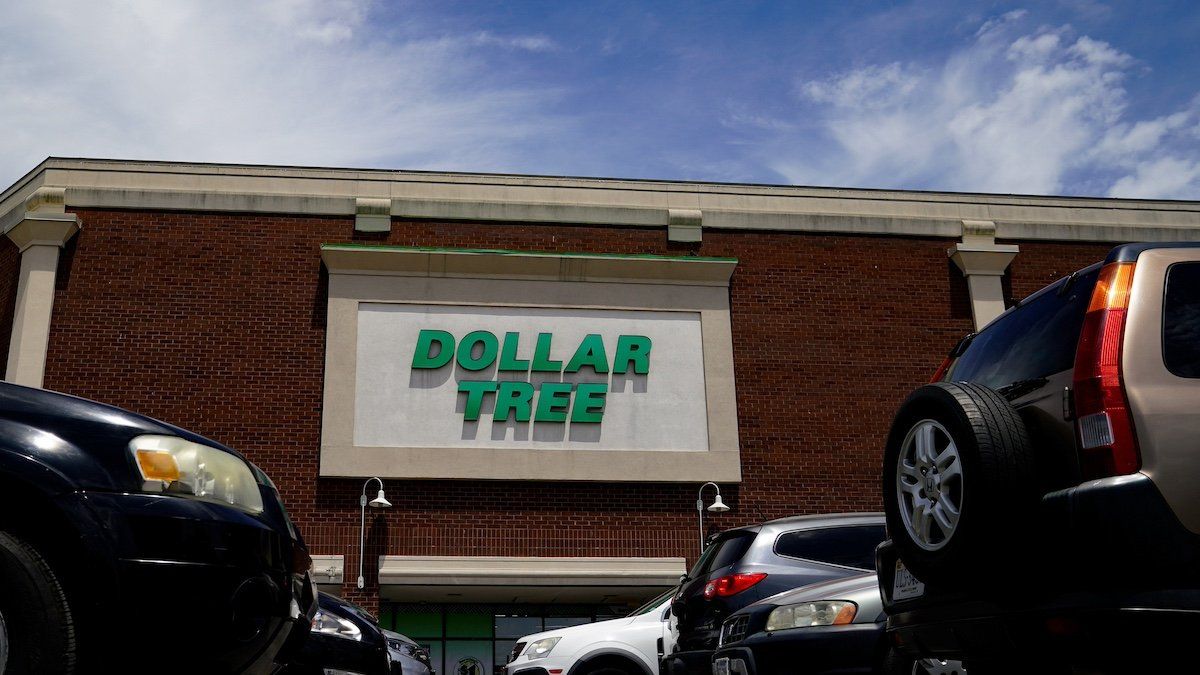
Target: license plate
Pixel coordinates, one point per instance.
(905, 585)
(721, 666)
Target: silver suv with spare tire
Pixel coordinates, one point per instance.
(1041, 492)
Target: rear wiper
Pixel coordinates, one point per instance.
(1019, 388)
(1062, 290)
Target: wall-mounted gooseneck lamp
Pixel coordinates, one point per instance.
(718, 506)
(379, 502)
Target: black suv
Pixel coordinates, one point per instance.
(128, 544)
(746, 564)
(1041, 493)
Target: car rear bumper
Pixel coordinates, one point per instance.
(185, 568)
(1124, 522)
(1111, 533)
(1113, 568)
(1126, 633)
(831, 649)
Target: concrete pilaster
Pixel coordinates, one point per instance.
(40, 235)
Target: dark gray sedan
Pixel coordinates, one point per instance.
(831, 627)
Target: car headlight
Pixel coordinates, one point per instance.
(541, 648)
(808, 614)
(328, 624)
(172, 465)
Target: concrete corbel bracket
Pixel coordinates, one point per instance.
(372, 215)
(983, 262)
(988, 261)
(45, 229)
(684, 225)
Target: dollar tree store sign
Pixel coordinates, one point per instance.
(548, 401)
(454, 376)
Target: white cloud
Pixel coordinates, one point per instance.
(1165, 178)
(1011, 111)
(282, 82)
(529, 43)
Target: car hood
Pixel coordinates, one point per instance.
(577, 630)
(92, 438)
(393, 635)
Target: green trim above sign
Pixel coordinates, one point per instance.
(500, 251)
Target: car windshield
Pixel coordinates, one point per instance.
(652, 604)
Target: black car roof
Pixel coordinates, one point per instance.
(1130, 252)
(814, 521)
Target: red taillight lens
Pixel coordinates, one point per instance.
(731, 585)
(1105, 426)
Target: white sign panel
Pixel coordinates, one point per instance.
(432, 376)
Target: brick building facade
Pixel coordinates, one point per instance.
(197, 294)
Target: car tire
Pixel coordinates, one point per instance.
(39, 626)
(959, 481)
(895, 663)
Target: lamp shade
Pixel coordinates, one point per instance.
(718, 506)
(381, 502)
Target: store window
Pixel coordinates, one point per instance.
(477, 639)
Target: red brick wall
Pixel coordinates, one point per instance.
(216, 322)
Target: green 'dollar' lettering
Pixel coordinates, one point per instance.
(486, 357)
(426, 339)
(633, 349)
(589, 353)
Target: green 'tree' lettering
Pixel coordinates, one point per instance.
(541, 355)
(466, 349)
(553, 400)
(508, 354)
(633, 349)
(425, 341)
(475, 390)
(513, 396)
(589, 403)
(590, 353)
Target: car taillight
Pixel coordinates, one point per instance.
(731, 584)
(1104, 423)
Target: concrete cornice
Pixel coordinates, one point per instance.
(491, 197)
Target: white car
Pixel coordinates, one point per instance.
(628, 646)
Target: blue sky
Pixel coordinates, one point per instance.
(1072, 97)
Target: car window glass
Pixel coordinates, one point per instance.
(725, 551)
(1036, 340)
(1181, 320)
(852, 546)
(702, 562)
(652, 603)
